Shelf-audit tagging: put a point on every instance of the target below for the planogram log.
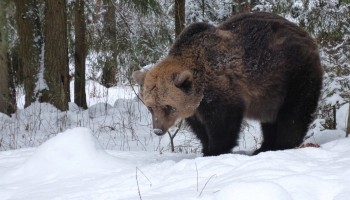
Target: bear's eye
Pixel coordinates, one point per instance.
(168, 109)
(150, 109)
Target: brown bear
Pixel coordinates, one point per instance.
(254, 65)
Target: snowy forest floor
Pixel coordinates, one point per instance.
(116, 156)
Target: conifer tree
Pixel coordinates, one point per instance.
(4, 87)
(80, 54)
(30, 36)
(56, 55)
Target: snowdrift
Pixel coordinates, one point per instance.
(73, 165)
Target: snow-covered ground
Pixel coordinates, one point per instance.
(74, 165)
(109, 152)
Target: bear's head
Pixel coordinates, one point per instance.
(169, 93)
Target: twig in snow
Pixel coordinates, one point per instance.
(137, 95)
(197, 174)
(173, 136)
(206, 184)
(138, 188)
(137, 181)
(144, 175)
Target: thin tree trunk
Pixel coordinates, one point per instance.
(29, 32)
(334, 117)
(80, 55)
(348, 126)
(56, 55)
(242, 6)
(179, 16)
(203, 8)
(4, 88)
(11, 86)
(109, 70)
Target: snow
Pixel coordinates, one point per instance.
(262, 190)
(71, 152)
(110, 152)
(74, 165)
(97, 93)
(147, 67)
(326, 136)
(342, 116)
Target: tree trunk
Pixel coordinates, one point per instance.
(56, 55)
(11, 86)
(203, 8)
(109, 70)
(179, 16)
(348, 125)
(80, 55)
(334, 117)
(29, 32)
(242, 6)
(4, 87)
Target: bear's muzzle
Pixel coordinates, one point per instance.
(158, 131)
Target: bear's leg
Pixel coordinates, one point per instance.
(292, 126)
(295, 115)
(269, 131)
(223, 130)
(217, 136)
(199, 130)
(292, 120)
(217, 127)
(288, 131)
(221, 140)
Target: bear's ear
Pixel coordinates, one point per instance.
(183, 80)
(139, 77)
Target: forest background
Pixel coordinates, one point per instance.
(50, 47)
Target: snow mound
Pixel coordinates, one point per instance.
(57, 170)
(73, 106)
(340, 145)
(99, 109)
(263, 190)
(72, 152)
(4, 117)
(326, 136)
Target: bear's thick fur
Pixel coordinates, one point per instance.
(255, 65)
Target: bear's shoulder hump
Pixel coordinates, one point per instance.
(189, 33)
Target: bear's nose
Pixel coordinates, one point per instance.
(158, 131)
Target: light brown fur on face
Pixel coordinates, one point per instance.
(164, 95)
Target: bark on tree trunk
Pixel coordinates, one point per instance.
(109, 70)
(11, 86)
(334, 117)
(348, 126)
(4, 89)
(242, 6)
(179, 16)
(7, 88)
(56, 55)
(29, 32)
(80, 54)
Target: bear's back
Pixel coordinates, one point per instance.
(266, 37)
